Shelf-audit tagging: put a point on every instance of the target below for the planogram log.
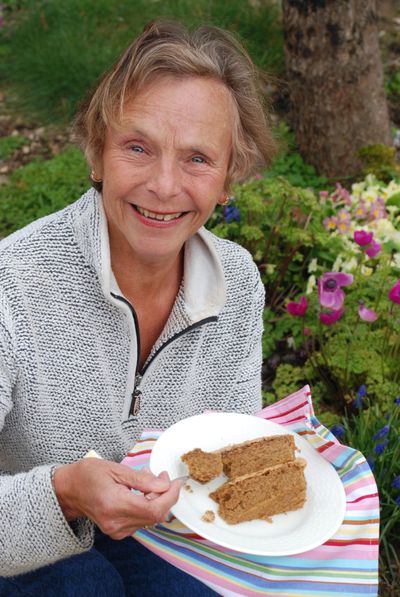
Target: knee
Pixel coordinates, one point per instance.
(85, 575)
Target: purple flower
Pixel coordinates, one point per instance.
(331, 295)
(343, 226)
(382, 432)
(380, 448)
(396, 482)
(363, 238)
(366, 314)
(377, 209)
(394, 293)
(338, 431)
(329, 318)
(362, 391)
(371, 462)
(297, 309)
(360, 211)
(231, 213)
(397, 400)
(330, 223)
(373, 249)
(397, 500)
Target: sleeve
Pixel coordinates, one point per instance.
(33, 529)
(247, 387)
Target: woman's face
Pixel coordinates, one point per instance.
(164, 168)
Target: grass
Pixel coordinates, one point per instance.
(52, 52)
(10, 144)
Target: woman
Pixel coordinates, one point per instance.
(122, 312)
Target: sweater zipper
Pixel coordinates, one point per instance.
(136, 395)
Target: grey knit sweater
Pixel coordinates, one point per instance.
(68, 360)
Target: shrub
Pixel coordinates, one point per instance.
(40, 188)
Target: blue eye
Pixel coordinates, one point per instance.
(137, 149)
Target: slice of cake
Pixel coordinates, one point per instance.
(273, 490)
(203, 466)
(253, 455)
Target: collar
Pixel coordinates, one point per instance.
(204, 289)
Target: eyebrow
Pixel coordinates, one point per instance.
(140, 133)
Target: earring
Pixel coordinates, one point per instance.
(94, 178)
(225, 201)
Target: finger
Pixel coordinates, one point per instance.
(145, 481)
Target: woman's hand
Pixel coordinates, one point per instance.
(101, 491)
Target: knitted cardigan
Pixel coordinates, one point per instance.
(68, 361)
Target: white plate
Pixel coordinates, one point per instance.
(288, 534)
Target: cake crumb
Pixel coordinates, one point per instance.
(188, 488)
(208, 516)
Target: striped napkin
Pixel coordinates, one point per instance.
(347, 564)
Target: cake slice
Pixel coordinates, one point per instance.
(272, 490)
(203, 466)
(256, 454)
(240, 459)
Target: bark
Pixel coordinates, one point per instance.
(335, 79)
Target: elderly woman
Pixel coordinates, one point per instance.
(121, 312)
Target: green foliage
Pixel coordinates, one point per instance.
(379, 160)
(10, 144)
(281, 226)
(40, 188)
(71, 43)
(289, 163)
(392, 87)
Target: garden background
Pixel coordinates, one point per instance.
(327, 245)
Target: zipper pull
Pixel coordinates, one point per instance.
(136, 397)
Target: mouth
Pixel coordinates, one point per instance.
(159, 217)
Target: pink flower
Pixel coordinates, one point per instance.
(377, 210)
(361, 211)
(343, 226)
(394, 293)
(307, 331)
(373, 249)
(343, 215)
(331, 317)
(323, 195)
(330, 223)
(341, 193)
(297, 309)
(366, 314)
(331, 295)
(363, 238)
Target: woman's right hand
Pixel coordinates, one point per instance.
(101, 491)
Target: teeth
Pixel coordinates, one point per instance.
(161, 217)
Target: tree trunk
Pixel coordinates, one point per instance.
(335, 80)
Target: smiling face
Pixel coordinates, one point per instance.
(164, 167)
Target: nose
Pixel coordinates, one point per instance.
(165, 179)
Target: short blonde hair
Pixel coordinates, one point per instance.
(167, 48)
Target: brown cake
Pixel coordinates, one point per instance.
(240, 459)
(203, 466)
(272, 490)
(250, 456)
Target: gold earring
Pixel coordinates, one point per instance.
(225, 201)
(94, 178)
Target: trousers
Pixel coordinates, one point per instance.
(110, 569)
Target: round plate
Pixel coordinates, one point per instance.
(287, 534)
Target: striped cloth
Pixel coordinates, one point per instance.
(347, 564)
